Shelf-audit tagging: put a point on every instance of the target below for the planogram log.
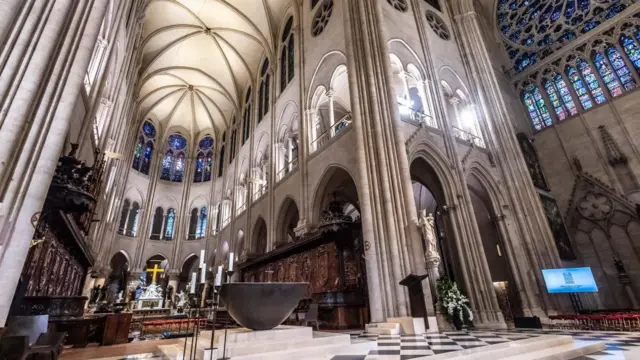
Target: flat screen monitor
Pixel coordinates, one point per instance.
(571, 280)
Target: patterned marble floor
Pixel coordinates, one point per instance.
(620, 346)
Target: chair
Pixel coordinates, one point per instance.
(49, 343)
(14, 347)
(312, 316)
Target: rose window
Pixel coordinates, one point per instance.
(595, 206)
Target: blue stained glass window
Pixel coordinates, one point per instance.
(137, 155)
(632, 50)
(208, 166)
(609, 78)
(201, 231)
(591, 80)
(555, 100)
(167, 165)
(540, 117)
(618, 64)
(565, 94)
(168, 228)
(544, 26)
(204, 160)
(149, 130)
(177, 141)
(578, 86)
(144, 149)
(146, 160)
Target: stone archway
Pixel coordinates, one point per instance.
(259, 237)
(118, 276)
(189, 266)
(429, 195)
(495, 250)
(288, 219)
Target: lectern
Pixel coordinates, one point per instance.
(416, 295)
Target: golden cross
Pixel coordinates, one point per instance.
(154, 271)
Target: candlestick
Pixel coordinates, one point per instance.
(201, 257)
(193, 283)
(230, 262)
(203, 273)
(219, 276)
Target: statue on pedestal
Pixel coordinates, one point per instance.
(428, 229)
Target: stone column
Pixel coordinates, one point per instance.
(384, 182)
(41, 78)
(532, 230)
(332, 114)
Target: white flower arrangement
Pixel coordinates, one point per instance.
(453, 301)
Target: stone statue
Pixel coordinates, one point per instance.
(619, 266)
(153, 291)
(169, 293)
(95, 293)
(120, 298)
(428, 229)
(182, 300)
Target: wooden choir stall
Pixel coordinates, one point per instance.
(331, 260)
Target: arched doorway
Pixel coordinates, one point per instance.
(118, 276)
(189, 266)
(494, 250)
(429, 195)
(259, 237)
(287, 221)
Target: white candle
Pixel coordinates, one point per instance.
(230, 262)
(193, 283)
(201, 257)
(203, 273)
(219, 276)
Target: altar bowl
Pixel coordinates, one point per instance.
(261, 306)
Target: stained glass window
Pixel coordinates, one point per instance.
(632, 50)
(263, 98)
(168, 228)
(578, 86)
(204, 160)
(618, 64)
(536, 108)
(202, 224)
(608, 76)
(246, 117)
(286, 55)
(173, 161)
(565, 94)
(549, 86)
(544, 26)
(591, 80)
(144, 149)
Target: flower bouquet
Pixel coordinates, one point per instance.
(454, 304)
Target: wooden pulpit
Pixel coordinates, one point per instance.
(416, 295)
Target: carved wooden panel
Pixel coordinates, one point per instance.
(52, 270)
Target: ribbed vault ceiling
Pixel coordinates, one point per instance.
(200, 55)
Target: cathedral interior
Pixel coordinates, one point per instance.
(375, 150)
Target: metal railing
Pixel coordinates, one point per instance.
(332, 131)
(259, 192)
(467, 136)
(241, 208)
(407, 113)
(288, 167)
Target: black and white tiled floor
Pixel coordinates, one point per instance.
(620, 346)
(403, 347)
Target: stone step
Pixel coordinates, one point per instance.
(383, 328)
(564, 352)
(326, 351)
(317, 340)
